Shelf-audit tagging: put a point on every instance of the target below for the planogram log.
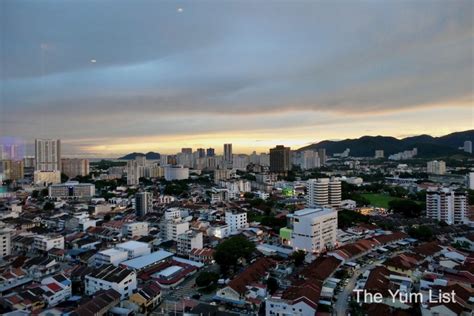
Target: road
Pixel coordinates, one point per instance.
(341, 305)
(340, 308)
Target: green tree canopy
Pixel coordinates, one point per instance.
(228, 252)
(206, 278)
(407, 208)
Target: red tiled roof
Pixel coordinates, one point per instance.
(428, 249)
(385, 239)
(251, 274)
(309, 292)
(54, 287)
(321, 268)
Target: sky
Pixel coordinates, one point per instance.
(113, 76)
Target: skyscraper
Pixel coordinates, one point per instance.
(323, 192)
(447, 205)
(187, 151)
(48, 154)
(201, 152)
(436, 167)
(280, 159)
(143, 203)
(73, 167)
(322, 156)
(228, 154)
(210, 152)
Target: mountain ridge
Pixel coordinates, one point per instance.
(428, 146)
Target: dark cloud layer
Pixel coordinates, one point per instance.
(225, 59)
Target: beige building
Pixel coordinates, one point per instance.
(12, 170)
(73, 167)
(47, 177)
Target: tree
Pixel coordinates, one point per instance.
(272, 285)
(422, 232)
(298, 257)
(249, 195)
(231, 250)
(205, 279)
(107, 217)
(48, 206)
(407, 208)
(347, 218)
(64, 177)
(35, 194)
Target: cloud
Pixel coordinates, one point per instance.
(218, 66)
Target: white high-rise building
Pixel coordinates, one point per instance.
(436, 167)
(468, 146)
(335, 193)
(236, 221)
(309, 159)
(176, 173)
(163, 160)
(447, 205)
(323, 192)
(313, 229)
(379, 154)
(240, 162)
(143, 203)
(132, 172)
(470, 180)
(47, 154)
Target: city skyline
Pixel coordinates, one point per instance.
(254, 75)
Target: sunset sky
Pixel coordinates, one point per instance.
(112, 76)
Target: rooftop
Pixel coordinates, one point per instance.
(132, 244)
(146, 260)
(310, 212)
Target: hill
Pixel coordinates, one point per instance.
(149, 155)
(428, 146)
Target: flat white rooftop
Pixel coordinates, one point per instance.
(166, 273)
(132, 244)
(112, 252)
(313, 211)
(147, 260)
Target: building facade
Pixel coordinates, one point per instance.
(436, 167)
(188, 241)
(73, 167)
(47, 154)
(313, 229)
(447, 205)
(280, 159)
(236, 221)
(72, 190)
(143, 203)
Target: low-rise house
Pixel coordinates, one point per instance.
(40, 267)
(147, 298)
(60, 288)
(99, 305)
(203, 255)
(122, 280)
(235, 292)
(302, 296)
